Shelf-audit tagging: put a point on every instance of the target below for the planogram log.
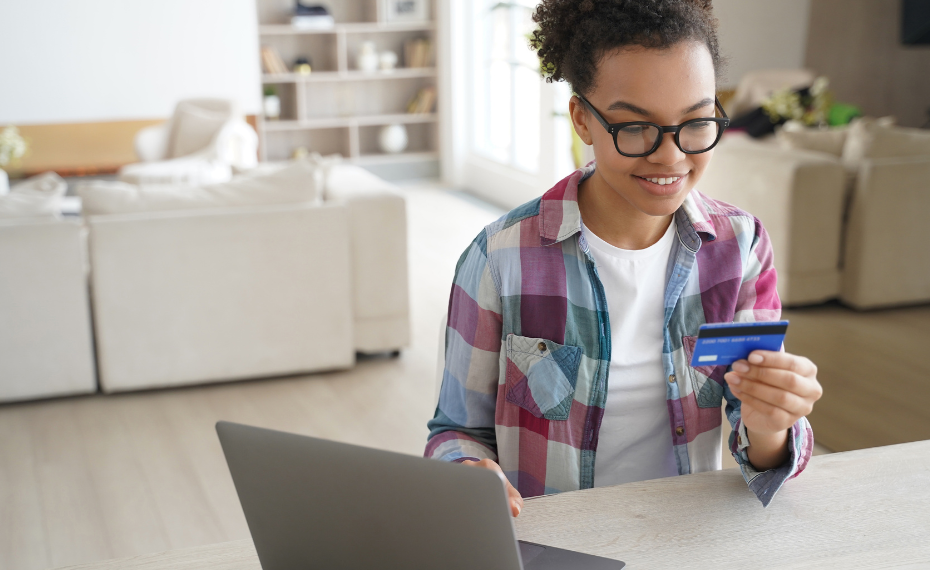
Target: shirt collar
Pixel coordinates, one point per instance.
(560, 217)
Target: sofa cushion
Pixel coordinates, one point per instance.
(830, 141)
(861, 138)
(193, 129)
(190, 170)
(291, 184)
(37, 197)
(344, 178)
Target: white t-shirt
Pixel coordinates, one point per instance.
(635, 439)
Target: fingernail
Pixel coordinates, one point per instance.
(755, 358)
(734, 379)
(741, 366)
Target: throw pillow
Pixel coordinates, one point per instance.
(193, 129)
(292, 184)
(830, 141)
(860, 139)
(37, 197)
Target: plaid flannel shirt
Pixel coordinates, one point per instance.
(528, 344)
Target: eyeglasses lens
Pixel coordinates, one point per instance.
(698, 136)
(693, 137)
(636, 139)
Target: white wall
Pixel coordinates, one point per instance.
(98, 60)
(761, 34)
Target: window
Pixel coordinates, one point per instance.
(505, 84)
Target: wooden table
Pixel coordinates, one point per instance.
(861, 509)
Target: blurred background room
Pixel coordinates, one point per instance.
(251, 210)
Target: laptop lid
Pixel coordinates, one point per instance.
(313, 503)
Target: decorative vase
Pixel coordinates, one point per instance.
(393, 138)
(367, 59)
(272, 107)
(388, 60)
(4, 182)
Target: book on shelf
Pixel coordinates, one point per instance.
(272, 62)
(423, 101)
(418, 53)
(311, 17)
(312, 22)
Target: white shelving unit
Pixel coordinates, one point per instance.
(338, 108)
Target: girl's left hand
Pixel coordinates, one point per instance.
(776, 390)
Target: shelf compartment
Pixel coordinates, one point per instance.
(334, 122)
(421, 138)
(348, 27)
(288, 94)
(359, 99)
(383, 158)
(354, 75)
(393, 41)
(278, 12)
(319, 49)
(280, 145)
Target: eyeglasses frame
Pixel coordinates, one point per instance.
(614, 128)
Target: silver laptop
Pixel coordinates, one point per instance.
(313, 503)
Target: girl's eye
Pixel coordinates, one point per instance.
(633, 130)
(700, 125)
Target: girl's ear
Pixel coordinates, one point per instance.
(579, 115)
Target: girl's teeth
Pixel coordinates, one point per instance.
(664, 181)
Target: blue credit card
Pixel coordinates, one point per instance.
(725, 343)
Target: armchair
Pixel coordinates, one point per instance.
(204, 142)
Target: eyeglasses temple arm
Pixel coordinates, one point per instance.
(719, 106)
(597, 115)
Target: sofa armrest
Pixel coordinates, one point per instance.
(886, 261)
(45, 328)
(799, 197)
(378, 241)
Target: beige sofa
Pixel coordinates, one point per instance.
(266, 275)
(798, 196)
(886, 261)
(842, 207)
(45, 329)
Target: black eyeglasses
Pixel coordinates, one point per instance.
(641, 138)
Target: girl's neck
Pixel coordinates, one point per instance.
(614, 219)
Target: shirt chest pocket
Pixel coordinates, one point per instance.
(708, 392)
(541, 375)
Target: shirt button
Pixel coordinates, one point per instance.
(739, 440)
(680, 430)
(671, 379)
(541, 346)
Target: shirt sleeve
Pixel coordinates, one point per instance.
(463, 425)
(758, 301)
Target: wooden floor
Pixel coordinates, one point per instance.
(875, 370)
(89, 478)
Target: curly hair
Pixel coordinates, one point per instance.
(573, 36)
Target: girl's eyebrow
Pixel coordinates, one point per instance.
(618, 105)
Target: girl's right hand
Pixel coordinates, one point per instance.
(516, 501)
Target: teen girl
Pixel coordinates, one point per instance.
(572, 318)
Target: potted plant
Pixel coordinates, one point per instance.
(271, 103)
(12, 147)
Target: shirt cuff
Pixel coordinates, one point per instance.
(765, 484)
